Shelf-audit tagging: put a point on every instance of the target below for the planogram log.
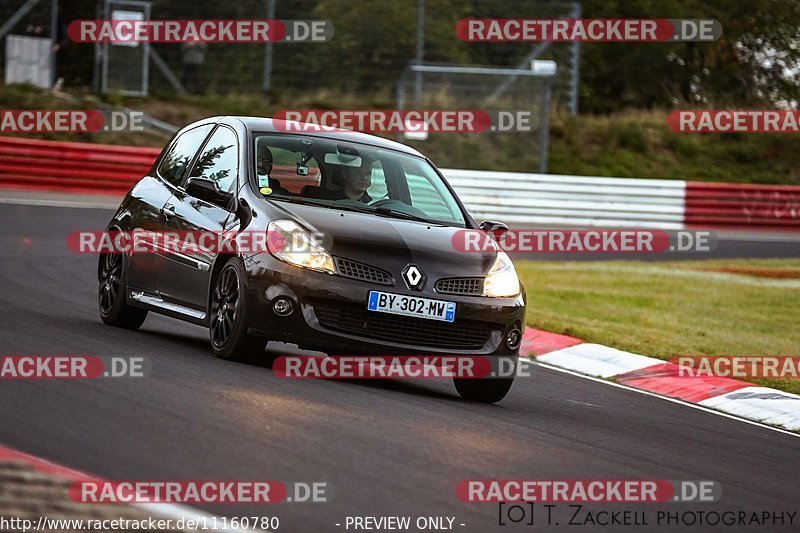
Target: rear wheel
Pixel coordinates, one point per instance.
(228, 316)
(114, 308)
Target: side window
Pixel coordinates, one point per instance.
(178, 157)
(219, 161)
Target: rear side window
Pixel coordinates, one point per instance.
(219, 161)
(181, 153)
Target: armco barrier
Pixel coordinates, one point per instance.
(519, 199)
(551, 199)
(70, 166)
(721, 204)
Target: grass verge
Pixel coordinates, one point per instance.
(668, 309)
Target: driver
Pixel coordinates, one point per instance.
(356, 182)
(264, 169)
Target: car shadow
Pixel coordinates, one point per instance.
(179, 338)
(275, 349)
(402, 385)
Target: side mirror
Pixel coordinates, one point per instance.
(492, 226)
(209, 191)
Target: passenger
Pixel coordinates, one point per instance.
(264, 169)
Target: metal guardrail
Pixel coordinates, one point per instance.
(526, 200)
(731, 205)
(71, 166)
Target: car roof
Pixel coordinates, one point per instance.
(266, 125)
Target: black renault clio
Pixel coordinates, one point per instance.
(372, 267)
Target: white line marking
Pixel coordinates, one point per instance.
(655, 395)
(755, 237)
(682, 272)
(584, 403)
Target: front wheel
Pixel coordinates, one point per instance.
(484, 390)
(114, 308)
(228, 316)
(489, 389)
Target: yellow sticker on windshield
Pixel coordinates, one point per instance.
(265, 190)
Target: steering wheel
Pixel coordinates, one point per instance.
(384, 201)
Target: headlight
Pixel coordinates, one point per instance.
(502, 280)
(290, 243)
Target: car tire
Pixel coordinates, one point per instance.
(487, 389)
(112, 294)
(484, 390)
(227, 315)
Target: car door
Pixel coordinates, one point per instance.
(151, 195)
(184, 276)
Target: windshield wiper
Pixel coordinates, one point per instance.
(402, 214)
(350, 207)
(330, 205)
(385, 211)
(306, 201)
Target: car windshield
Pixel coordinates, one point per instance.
(352, 176)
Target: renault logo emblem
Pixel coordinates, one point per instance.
(413, 276)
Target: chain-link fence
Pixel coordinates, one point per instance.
(516, 99)
(373, 44)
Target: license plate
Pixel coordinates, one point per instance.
(399, 304)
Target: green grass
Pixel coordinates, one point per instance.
(669, 309)
(638, 144)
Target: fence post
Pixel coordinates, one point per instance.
(544, 129)
(574, 79)
(420, 51)
(267, 83)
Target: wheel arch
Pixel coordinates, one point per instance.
(111, 228)
(216, 268)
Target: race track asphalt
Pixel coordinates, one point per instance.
(391, 447)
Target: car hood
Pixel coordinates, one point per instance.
(392, 243)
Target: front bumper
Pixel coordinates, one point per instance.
(330, 316)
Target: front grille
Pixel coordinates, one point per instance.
(355, 319)
(355, 270)
(464, 286)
